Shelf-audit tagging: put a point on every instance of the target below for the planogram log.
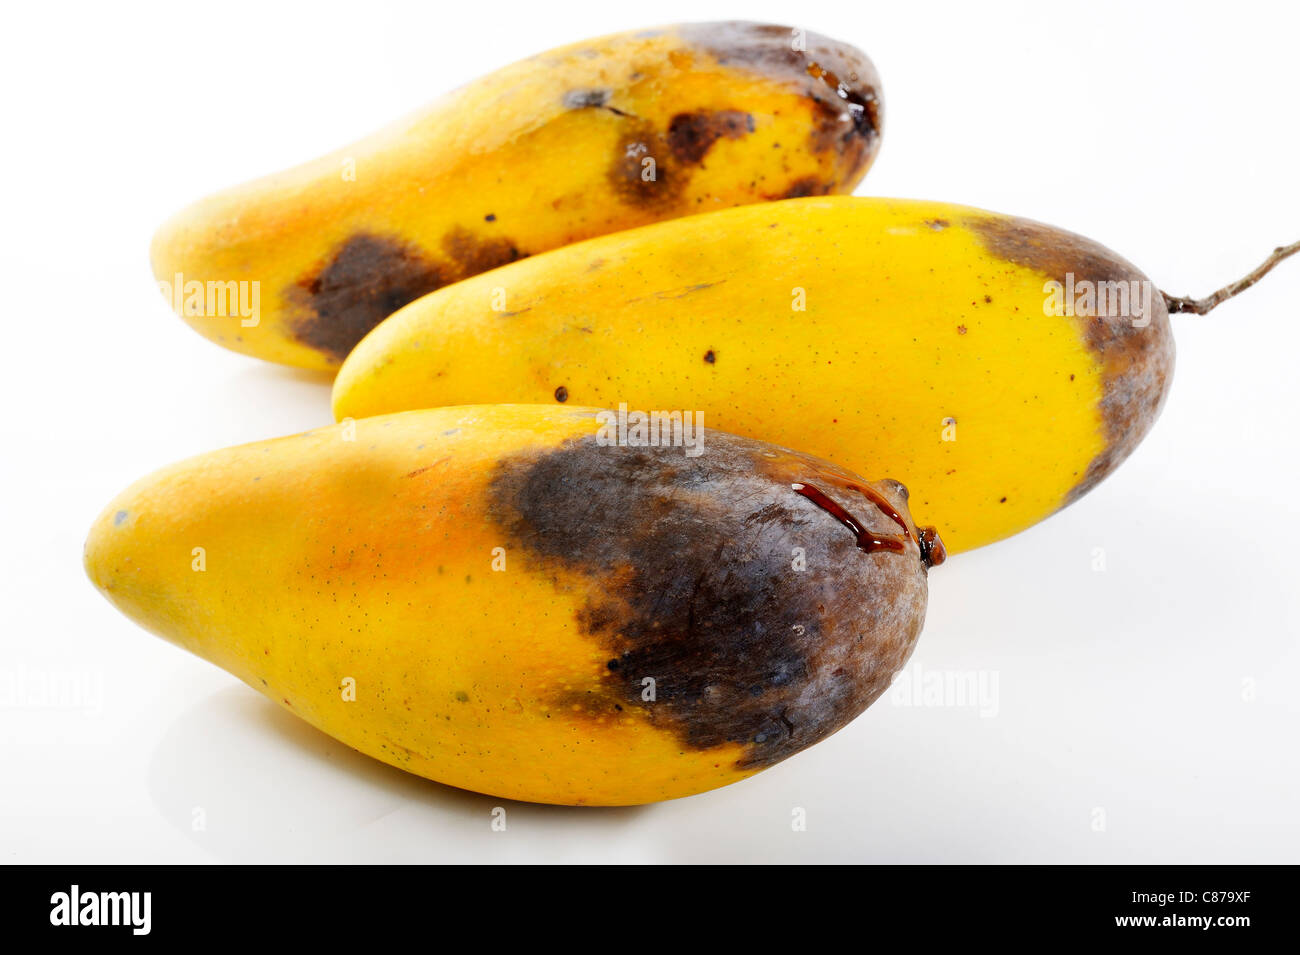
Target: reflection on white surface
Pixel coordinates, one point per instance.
(245, 780)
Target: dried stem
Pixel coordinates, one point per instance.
(1200, 306)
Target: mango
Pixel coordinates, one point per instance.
(530, 601)
(603, 135)
(1000, 367)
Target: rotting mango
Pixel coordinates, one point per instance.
(592, 138)
(925, 335)
(501, 599)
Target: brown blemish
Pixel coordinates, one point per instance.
(692, 135)
(627, 171)
(692, 585)
(1137, 363)
(561, 394)
(369, 277)
(807, 186)
(473, 254)
(864, 110)
(586, 99)
(364, 281)
(838, 79)
(710, 357)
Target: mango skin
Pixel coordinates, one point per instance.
(923, 343)
(371, 560)
(532, 157)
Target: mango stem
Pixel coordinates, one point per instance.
(1200, 306)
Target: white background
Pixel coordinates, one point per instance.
(1166, 131)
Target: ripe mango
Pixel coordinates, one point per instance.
(501, 599)
(937, 338)
(592, 138)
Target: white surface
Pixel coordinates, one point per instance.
(1166, 132)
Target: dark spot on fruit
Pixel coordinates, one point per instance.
(863, 107)
(938, 225)
(365, 280)
(586, 99)
(691, 135)
(807, 186)
(472, 254)
(641, 171)
(561, 394)
(839, 80)
(690, 560)
(1137, 361)
(961, 329)
(710, 357)
(490, 217)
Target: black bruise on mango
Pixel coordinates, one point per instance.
(366, 279)
(691, 561)
(685, 144)
(471, 255)
(634, 180)
(807, 186)
(369, 277)
(692, 135)
(1137, 362)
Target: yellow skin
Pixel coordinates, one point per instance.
(924, 345)
(366, 557)
(535, 156)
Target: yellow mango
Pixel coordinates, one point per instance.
(592, 138)
(926, 336)
(527, 601)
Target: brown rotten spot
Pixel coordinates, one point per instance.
(838, 79)
(1137, 362)
(692, 135)
(698, 590)
(369, 277)
(364, 281)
